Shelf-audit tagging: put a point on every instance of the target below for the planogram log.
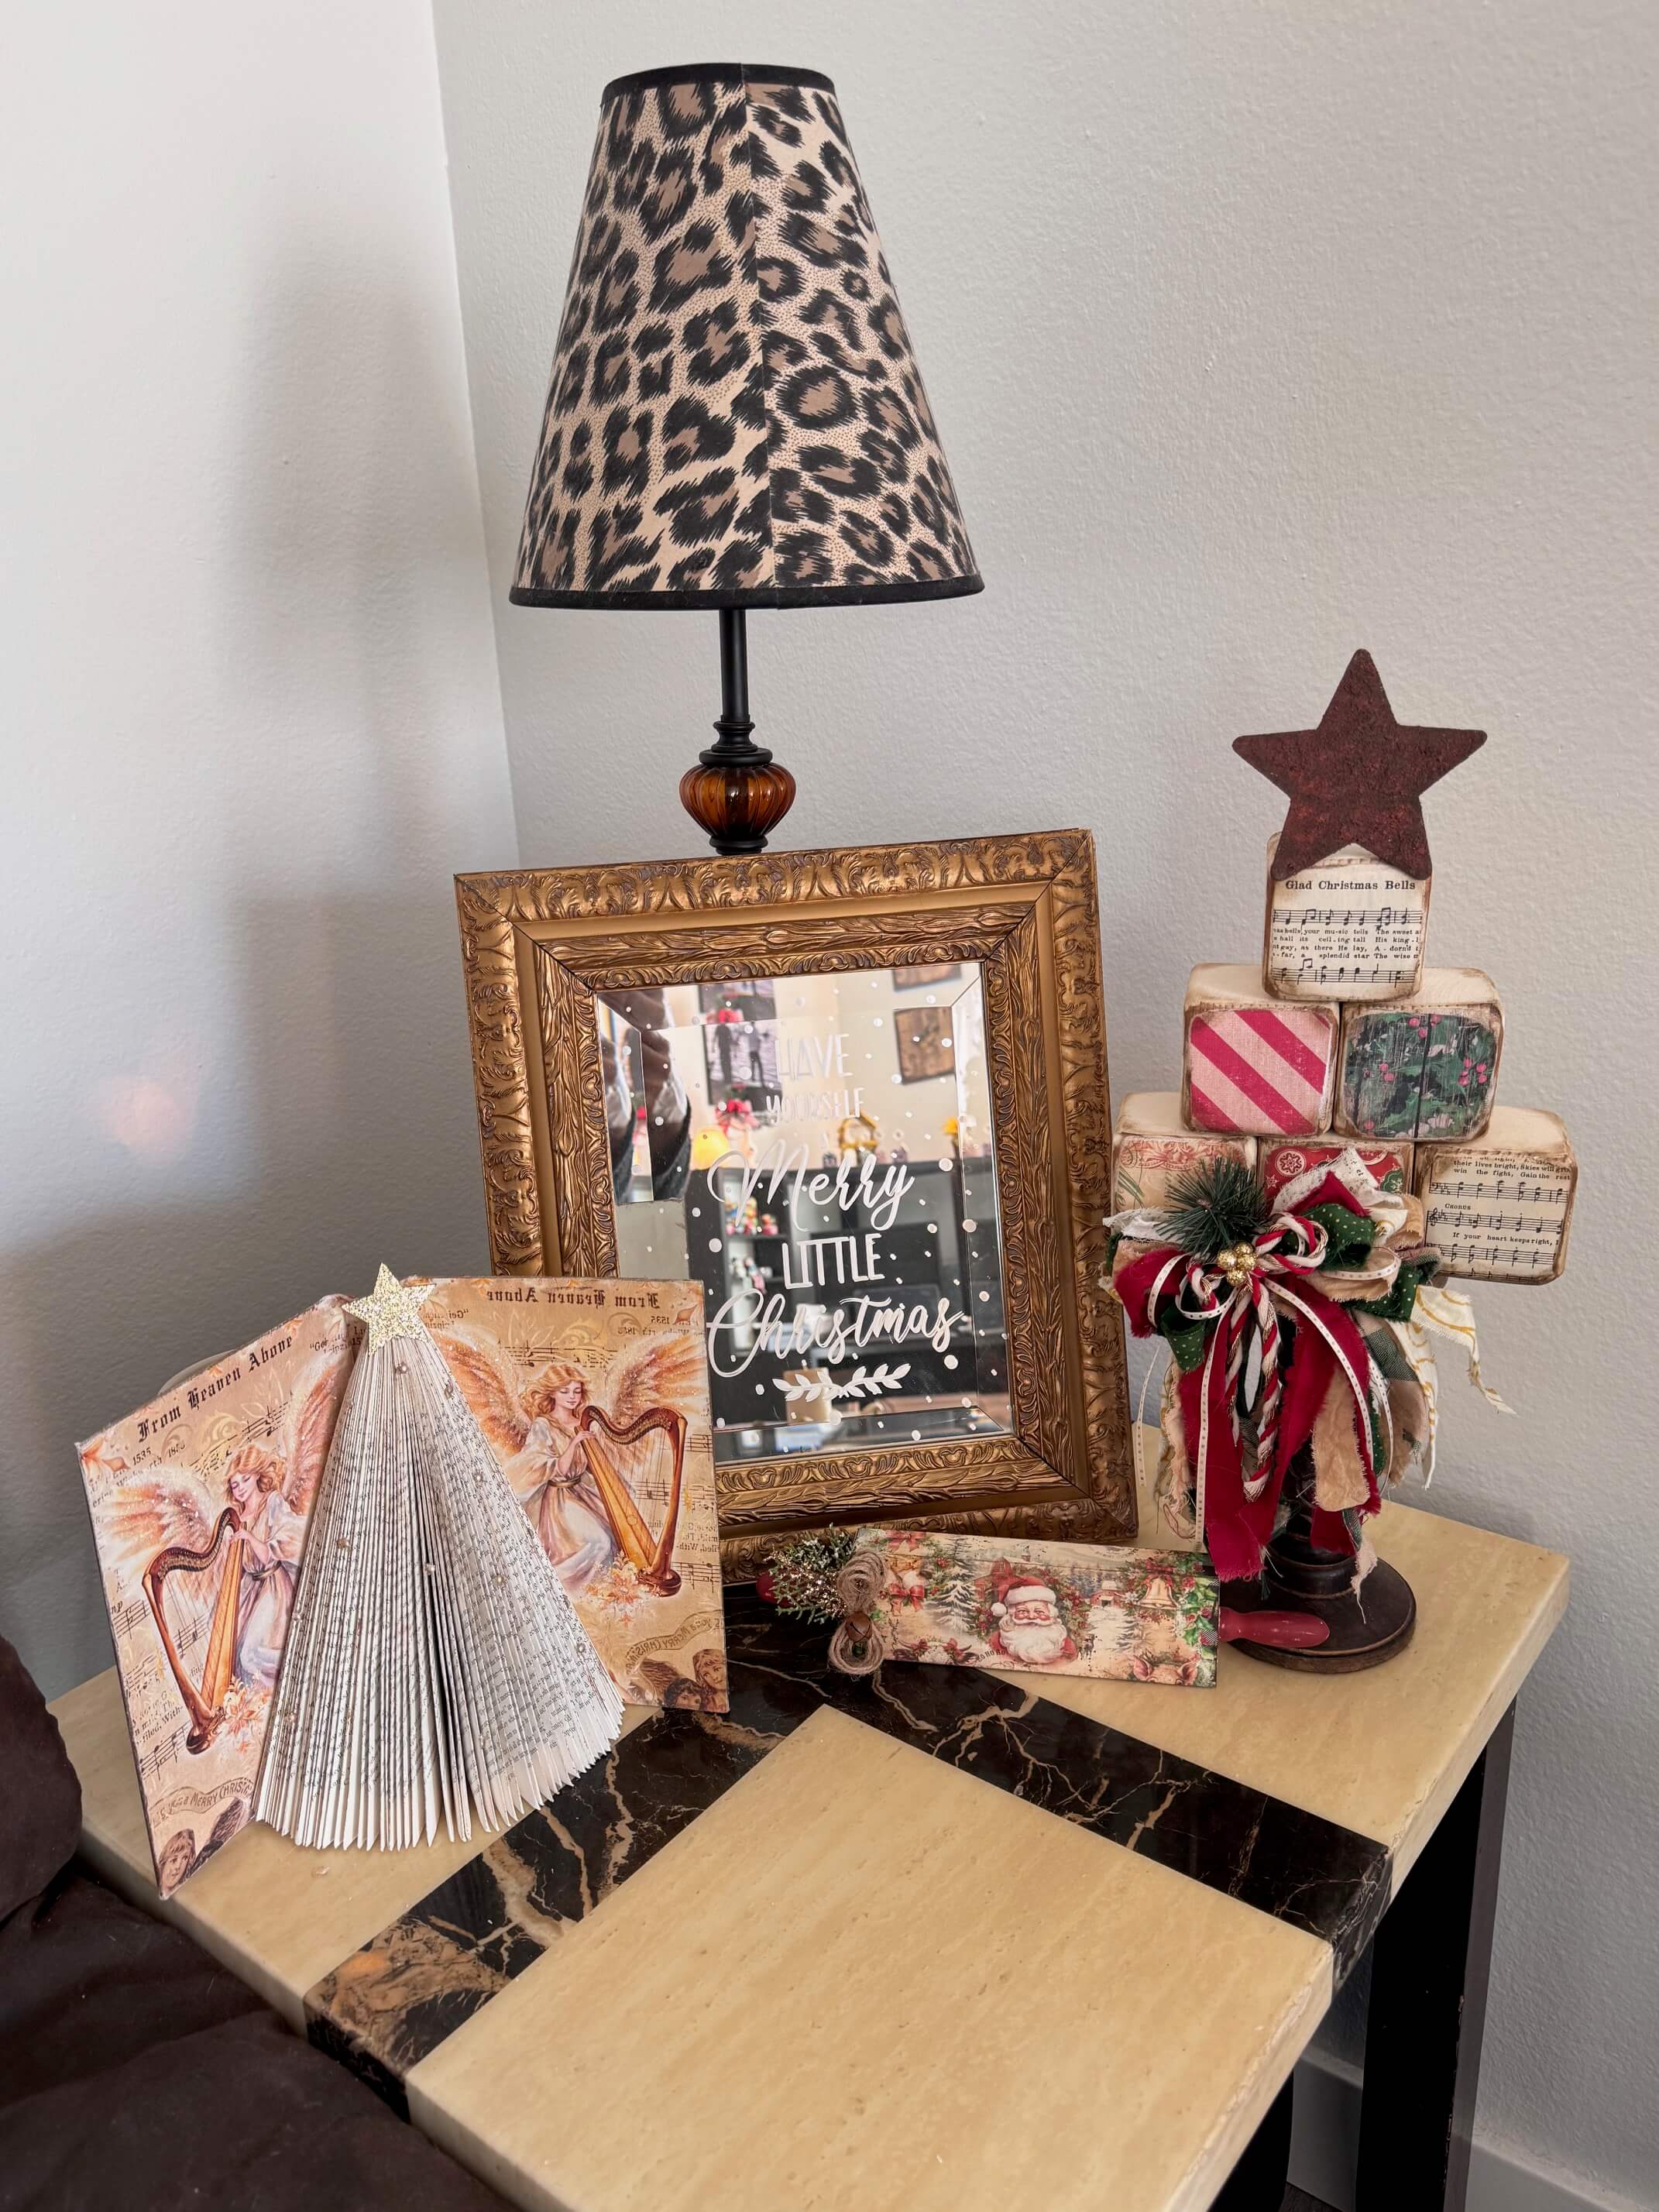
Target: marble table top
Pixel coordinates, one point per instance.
(941, 1925)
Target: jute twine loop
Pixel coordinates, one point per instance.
(856, 1647)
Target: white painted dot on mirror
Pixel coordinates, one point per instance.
(969, 1227)
(713, 1244)
(951, 1359)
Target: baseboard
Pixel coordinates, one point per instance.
(1326, 2137)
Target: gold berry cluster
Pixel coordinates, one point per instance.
(1238, 1262)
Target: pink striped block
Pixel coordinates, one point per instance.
(1266, 1070)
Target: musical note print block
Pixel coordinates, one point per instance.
(1426, 1068)
(1350, 928)
(1499, 1209)
(1255, 1065)
(1391, 1164)
(1151, 1148)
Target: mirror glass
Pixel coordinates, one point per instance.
(817, 1150)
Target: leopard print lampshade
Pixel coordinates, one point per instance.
(735, 417)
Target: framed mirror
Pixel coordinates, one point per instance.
(861, 1097)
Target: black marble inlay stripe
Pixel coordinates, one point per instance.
(1299, 1867)
(393, 2002)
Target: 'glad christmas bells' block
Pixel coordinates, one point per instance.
(1498, 1209)
(1153, 1147)
(1349, 927)
(1391, 1164)
(1255, 1064)
(1426, 1067)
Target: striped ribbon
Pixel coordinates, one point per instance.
(1236, 1291)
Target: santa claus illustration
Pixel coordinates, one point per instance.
(1029, 1630)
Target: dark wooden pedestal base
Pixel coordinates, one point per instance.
(1365, 1630)
(1366, 1626)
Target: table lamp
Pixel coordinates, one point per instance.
(735, 417)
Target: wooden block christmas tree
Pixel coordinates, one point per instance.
(1342, 1037)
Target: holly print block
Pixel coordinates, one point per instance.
(1255, 1064)
(1425, 1068)
(1151, 1148)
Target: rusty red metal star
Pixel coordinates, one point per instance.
(1358, 778)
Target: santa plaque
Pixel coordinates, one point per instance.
(1024, 1606)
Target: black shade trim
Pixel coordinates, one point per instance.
(788, 595)
(715, 73)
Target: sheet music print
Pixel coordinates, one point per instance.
(214, 1480)
(1497, 1215)
(565, 1378)
(1350, 928)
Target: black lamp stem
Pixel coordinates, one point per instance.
(734, 723)
(737, 791)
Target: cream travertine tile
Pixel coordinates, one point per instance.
(1385, 1752)
(278, 1916)
(863, 1978)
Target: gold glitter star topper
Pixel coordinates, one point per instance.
(392, 1308)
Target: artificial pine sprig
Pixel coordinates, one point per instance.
(799, 1577)
(1219, 1203)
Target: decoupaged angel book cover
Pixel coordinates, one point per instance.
(200, 1504)
(593, 1394)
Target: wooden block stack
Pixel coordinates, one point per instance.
(1343, 1036)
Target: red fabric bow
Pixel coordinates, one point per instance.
(1330, 1353)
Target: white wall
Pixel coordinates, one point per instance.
(252, 719)
(1257, 331)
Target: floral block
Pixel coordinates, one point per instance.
(1348, 927)
(1391, 1164)
(1499, 1207)
(1151, 1147)
(1425, 1067)
(1255, 1065)
(1021, 1605)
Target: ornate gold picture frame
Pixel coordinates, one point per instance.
(558, 962)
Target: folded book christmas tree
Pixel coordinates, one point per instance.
(362, 1584)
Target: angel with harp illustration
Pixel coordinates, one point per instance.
(219, 1561)
(584, 1475)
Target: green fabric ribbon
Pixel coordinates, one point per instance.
(1186, 1339)
(1401, 1299)
(1350, 1235)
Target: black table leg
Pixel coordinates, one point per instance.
(1257, 2183)
(1430, 1959)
